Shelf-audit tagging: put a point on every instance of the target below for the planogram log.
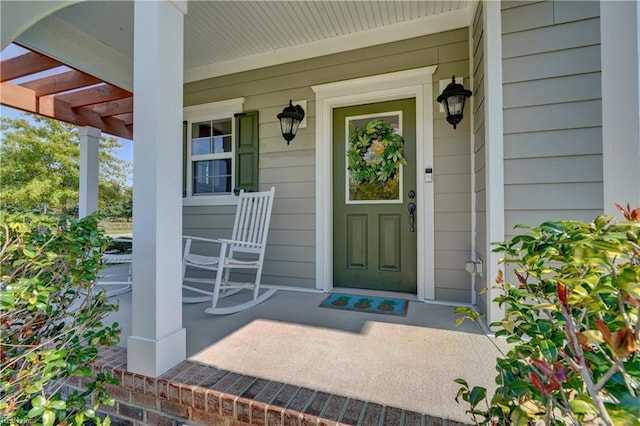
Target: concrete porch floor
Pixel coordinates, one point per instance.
(405, 362)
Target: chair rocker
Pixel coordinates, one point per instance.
(248, 239)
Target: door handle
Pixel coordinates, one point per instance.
(412, 210)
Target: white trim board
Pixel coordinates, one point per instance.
(415, 83)
(494, 150)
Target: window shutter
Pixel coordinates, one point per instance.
(185, 135)
(246, 151)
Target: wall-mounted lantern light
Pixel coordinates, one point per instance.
(453, 98)
(290, 119)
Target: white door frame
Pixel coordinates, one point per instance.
(415, 83)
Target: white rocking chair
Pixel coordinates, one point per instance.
(249, 239)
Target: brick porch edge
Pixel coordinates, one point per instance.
(196, 394)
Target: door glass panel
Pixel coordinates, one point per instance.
(373, 173)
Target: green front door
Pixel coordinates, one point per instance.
(374, 235)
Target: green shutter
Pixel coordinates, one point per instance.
(184, 157)
(247, 151)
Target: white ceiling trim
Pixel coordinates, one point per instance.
(420, 27)
(17, 16)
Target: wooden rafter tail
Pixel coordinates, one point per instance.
(94, 95)
(127, 119)
(18, 97)
(71, 96)
(27, 64)
(53, 107)
(113, 108)
(62, 82)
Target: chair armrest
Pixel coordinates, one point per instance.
(208, 240)
(244, 243)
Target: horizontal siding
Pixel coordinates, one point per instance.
(287, 174)
(526, 17)
(453, 165)
(453, 222)
(537, 118)
(553, 196)
(453, 280)
(556, 64)
(551, 39)
(452, 240)
(509, 4)
(480, 163)
(556, 90)
(549, 170)
(453, 295)
(454, 202)
(451, 259)
(284, 159)
(452, 145)
(575, 10)
(554, 143)
(452, 183)
(452, 188)
(552, 112)
(294, 206)
(291, 168)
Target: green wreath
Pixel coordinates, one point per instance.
(375, 152)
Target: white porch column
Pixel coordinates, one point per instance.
(494, 148)
(89, 167)
(619, 34)
(158, 340)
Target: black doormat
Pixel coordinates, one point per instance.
(376, 305)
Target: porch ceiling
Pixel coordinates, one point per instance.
(221, 37)
(218, 31)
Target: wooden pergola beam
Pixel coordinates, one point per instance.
(93, 95)
(62, 82)
(19, 97)
(121, 106)
(125, 118)
(61, 96)
(27, 64)
(53, 107)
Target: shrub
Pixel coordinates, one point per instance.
(572, 316)
(51, 319)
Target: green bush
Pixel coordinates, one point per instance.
(51, 319)
(572, 316)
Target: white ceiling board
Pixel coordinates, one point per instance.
(222, 32)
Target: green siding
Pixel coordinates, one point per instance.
(552, 112)
(290, 256)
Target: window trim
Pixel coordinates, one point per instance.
(211, 111)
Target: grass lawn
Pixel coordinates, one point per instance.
(116, 229)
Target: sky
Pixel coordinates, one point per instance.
(125, 152)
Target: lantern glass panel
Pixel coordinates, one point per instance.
(294, 126)
(286, 124)
(456, 104)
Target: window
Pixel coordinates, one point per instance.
(220, 152)
(211, 157)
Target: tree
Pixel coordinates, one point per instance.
(40, 166)
(122, 208)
